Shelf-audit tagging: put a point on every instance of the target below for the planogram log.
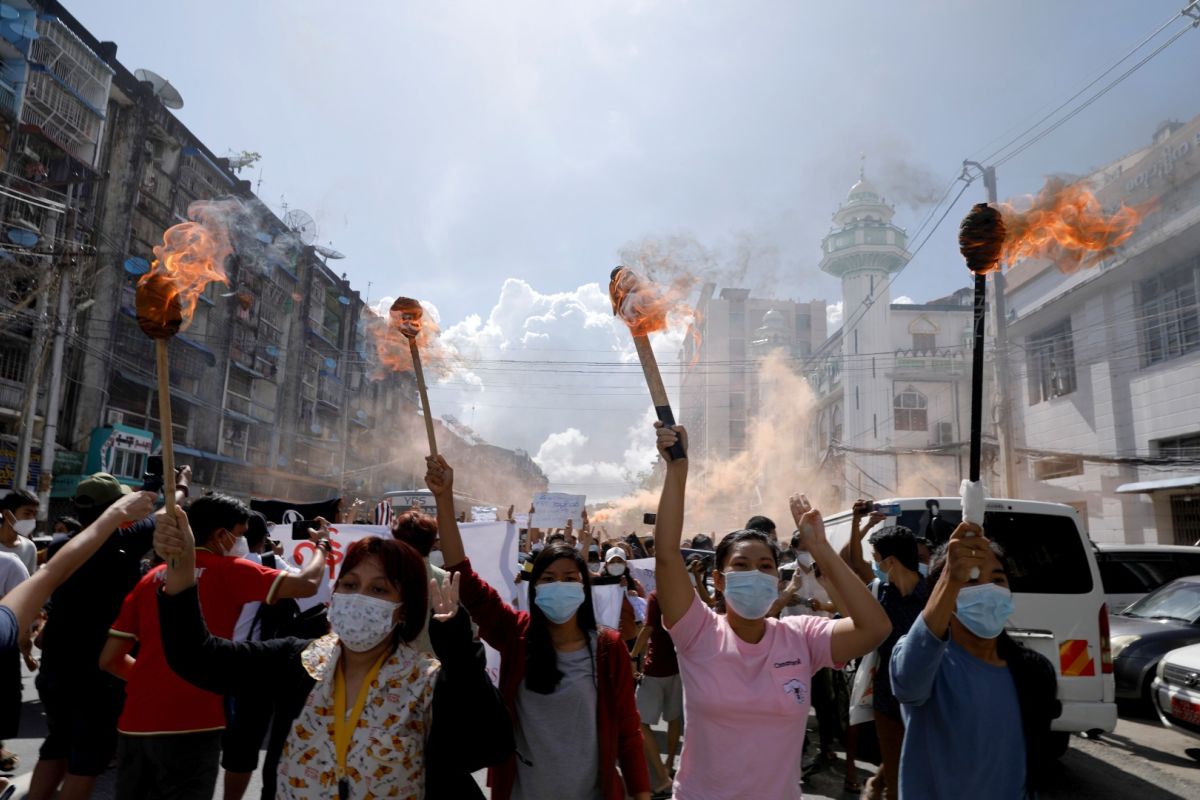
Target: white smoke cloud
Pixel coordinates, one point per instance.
(904, 300)
(556, 375)
(833, 316)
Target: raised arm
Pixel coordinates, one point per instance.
(497, 620)
(307, 582)
(674, 586)
(852, 553)
(27, 599)
(866, 625)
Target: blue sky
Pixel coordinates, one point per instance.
(449, 147)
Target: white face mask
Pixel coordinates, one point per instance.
(240, 548)
(361, 622)
(616, 568)
(436, 558)
(25, 527)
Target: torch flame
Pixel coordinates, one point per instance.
(407, 322)
(191, 257)
(648, 307)
(1066, 224)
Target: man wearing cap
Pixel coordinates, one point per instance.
(616, 571)
(81, 702)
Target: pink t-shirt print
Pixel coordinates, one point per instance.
(746, 705)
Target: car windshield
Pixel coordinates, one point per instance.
(1179, 601)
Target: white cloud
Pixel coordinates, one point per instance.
(833, 316)
(557, 376)
(904, 300)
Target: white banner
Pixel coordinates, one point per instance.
(553, 509)
(607, 601)
(643, 570)
(491, 546)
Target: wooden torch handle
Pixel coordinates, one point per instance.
(658, 392)
(420, 373)
(164, 419)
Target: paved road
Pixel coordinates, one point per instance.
(1140, 759)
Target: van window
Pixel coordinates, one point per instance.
(1189, 564)
(1127, 574)
(1046, 550)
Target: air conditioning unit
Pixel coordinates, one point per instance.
(114, 417)
(944, 433)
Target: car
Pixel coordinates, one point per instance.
(1165, 619)
(1059, 599)
(1177, 690)
(1131, 571)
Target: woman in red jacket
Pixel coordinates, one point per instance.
(568, 684)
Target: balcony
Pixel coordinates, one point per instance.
(944, 362)
(8, 101)
(330, 391)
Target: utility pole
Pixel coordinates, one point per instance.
(33, 370)
(1004, 426)
(54, 390)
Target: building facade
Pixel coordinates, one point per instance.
(719, 384)
(1109, 358)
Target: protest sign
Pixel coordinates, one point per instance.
(483, 514)
(553, 509)
(642, 570)
(606, 601)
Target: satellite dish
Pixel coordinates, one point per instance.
(264, 237)
(302, 224)
(22, 237)
(8, 12)
(167, 94)
(135, 265)
(328, 252)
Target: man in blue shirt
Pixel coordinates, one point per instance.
(966, 688)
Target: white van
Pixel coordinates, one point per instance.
(1060, 605)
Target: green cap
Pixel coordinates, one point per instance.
(99, 491)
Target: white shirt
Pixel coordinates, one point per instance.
(25, 550)
(12, 573)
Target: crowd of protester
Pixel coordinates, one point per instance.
(175, 645)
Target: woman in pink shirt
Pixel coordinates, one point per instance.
(747, 677)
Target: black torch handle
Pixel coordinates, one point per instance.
(665, 416)
(977, 375)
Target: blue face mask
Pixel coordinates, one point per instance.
(559, 600)
(984, 609)
(923, 569)
(879, 571)
(750, 594)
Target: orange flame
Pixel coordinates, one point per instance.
(647, 307)
(407, 322)
(191, 257)
(1066, 224)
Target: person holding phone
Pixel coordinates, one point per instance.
(747, 678)
(568, 684)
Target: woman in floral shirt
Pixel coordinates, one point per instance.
(370, 715)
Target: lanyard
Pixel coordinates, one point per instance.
(343, 726)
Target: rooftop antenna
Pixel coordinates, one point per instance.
(167, 94)
(328, 252)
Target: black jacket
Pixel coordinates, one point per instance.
(471, 728)
(1037, 694)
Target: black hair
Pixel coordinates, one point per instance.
(212, 513)
(72, 525)
(256, 530)
(541, 661)
(896, 541)
(725, 548)
(555, 537)
(760, 523)
(702, 542)
(17, 499)
(795, 540)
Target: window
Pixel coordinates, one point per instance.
(737, 435)
(1170, 322)
(128, 463)
(1051, 356)
(1179, 447)
(923, 343)
(909, 410)
(1185, 518)
(737, 323)
(1045, 469)
(737, 405)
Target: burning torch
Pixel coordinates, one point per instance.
(642, 307)
(1066, 224)
(407, 315)
(191, 256)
